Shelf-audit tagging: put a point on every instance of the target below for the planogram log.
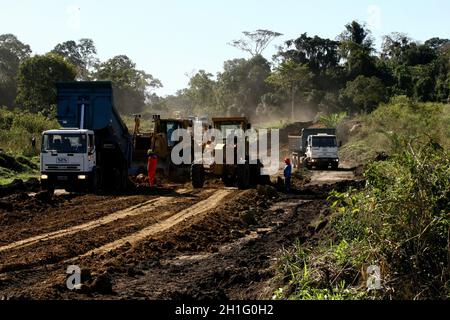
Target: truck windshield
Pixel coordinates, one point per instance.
(324, 142)
(64, 143)
(229, 128)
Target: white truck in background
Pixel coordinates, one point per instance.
(315, 148)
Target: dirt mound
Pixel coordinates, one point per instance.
(18, 185)
(293, 128)
(11, 163)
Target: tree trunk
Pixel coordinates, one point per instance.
(293, 102)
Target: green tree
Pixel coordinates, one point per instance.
(242, 84)
(37, 78)
(83, 55)
(318, 53)
(12, 51)
(365, 93)
(132, 86)
(401, 50)
(255, 42)
(322, 57)
(356, 49)
(202, 91)
(290, 77)
(9, 64)
(14, 45)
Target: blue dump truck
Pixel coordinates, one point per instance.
(92, 150)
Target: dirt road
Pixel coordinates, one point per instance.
(212, 243)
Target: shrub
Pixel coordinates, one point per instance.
(17, 128)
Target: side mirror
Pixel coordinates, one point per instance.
(340, 144)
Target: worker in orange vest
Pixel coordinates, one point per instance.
(151, 166)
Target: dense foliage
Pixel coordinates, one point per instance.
(399, 222)
(308, 74)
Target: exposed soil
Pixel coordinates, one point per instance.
(169, 244)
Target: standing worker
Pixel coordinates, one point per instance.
(137, 124)
(151, 166)
(287, 174)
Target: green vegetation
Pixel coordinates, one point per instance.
(399, 222)
(332, 120)
(17, 128)
(307, 73)
(19, 167)
(130, 84)
(382, 130)
(36, 81)
(18, 158)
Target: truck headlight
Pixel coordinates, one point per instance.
(82, 177)
(44, 177)
(337, 160)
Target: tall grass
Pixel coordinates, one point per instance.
(17, 128)
(401, 117)
(399, 222)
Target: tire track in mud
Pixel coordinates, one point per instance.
(200, 207)
(135, 210)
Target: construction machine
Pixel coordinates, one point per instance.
(242, 171)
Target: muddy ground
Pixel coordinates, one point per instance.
(174, 243)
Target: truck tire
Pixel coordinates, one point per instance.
(197, 176)
(254, 174)
(243, 176)
(94, 183)
(124, 178)
(227, 178)
(50, 190)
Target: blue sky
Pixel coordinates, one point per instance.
(173, 38)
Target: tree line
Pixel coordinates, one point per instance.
(28, 82)
(326, 75)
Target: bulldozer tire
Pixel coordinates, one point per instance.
(243, 176)
(197, 176)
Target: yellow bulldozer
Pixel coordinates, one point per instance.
(241, 172)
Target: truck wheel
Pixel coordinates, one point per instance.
(243, 176)
(227, 179)
(254, 174)
(124, 175)
(197, 176)
(94, 182)
(50, 190)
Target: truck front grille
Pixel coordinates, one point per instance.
(62, 167)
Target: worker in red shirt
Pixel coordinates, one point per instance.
(151, 166)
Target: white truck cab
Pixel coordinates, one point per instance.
(68, 159)
(322, 151)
